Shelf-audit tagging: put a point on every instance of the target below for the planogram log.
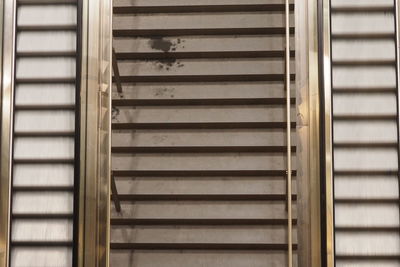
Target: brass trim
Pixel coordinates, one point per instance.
(327, 84)
(288, 134)
(397, 49)
(94, 218)
(308, 134)
(7, 99)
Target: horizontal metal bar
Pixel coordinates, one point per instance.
(30, 28)
(204, 197)
(35, 54)
(199, 222)
(358, 35)
(41, 243)
(200, 149)
(199, 32)
(364, 90)
(200, 246)
(365, 144)
(42, 188)
(204, 78)
(201, 55)
(43, 161)
(42, 216)
(44, 134)
(200, 173)
(362, 9)
(364, 62)
(199, 8)
(367, 200)
(366, 172)
(367, 257)
(45, 107)
(200, 125)
(44, 80)
(364, 117)
(46, 2)
(200, 102)
(367, 228)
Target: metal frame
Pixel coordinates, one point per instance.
(288, 134)
(95, 139)
(77, 136)
(308, 134)
(95, 146)
(397, 43)
(7, 99)
(328, 240)
(92, 234)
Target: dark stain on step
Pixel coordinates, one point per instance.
(115, 113)
(160, 43)
(164, 92)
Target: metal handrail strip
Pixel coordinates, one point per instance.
(176, 9)
(288, 133)
(397, 64)
(326, 75)
(8, 20)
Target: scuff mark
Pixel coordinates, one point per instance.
(157, 140)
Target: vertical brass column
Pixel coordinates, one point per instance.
(7, 38)
(95, 134)
(326, 69)
(397, 41)
(308, 134)
(288, 133)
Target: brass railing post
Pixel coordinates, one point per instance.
(7, 39)
(308, 135)
(397, 43)
(288, 133)
(326, 69)
(95, 150)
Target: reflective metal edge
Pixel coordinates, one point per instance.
(7, 99)
(288, 134)
(328, 130)
(397, 43)
(80, 251)
(94, 206)
(77, 137)
(308, 134)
